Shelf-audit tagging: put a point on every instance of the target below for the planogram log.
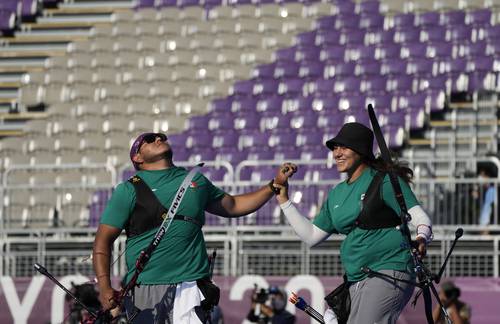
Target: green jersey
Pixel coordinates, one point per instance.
(378, 249)
(181, 254)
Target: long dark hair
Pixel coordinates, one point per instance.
(400, 168)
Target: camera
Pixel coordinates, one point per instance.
(262, 294)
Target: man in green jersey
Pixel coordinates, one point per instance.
(369, 220)
(168, 292)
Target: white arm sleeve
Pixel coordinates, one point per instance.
(307, 231)
(422, 222)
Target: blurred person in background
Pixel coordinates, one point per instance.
(179, 266)
(458, 311)
(268, 306)
(364, 208)
(489, 193)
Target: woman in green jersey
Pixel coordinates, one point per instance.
(372, 237)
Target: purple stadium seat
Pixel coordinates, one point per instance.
(439, 50)
(325, 23)
(266, 87)
(326, 103)
(352, 36)
(311, 70)
(198, 122)
(359, 116)
(291, 87)
(492, 49)
(214, 174)
(332, 53)
(181, 154)
(374, 84)
(145, 3)
(272, 103)
(99, 200)
(480, 63)
(253, 138)
(273, 120)
(220, 106)
(407, 35)
(310, 53)
(453, 17)
(395, 134)
(243, 88)
(413, 50)
(350, 84)
(345, 7)
(323, 86)
(247, 121)
(244, 105)
(202, 154)
(339, 69)
(431, 82)
(371, 21)
(491, 33)
(225, 139)
(380, 37)
(310, 138)
(348, 21)
(325, 173)
(420, 66)
(433, 34)
(282, 137)
(285, 54)
(211, 3)
(299, 103)
(286, 153)
(457, 65)
(231, 155)
(368, 7)
(316, 151)
(331, 121)
(459, 33)
(435, 101)
(379, 101)
(11, 5)
(478, 17)
(352, 102)
(7, 20)
(367, 68)
(285, 69)
(199, 140)
(265, 71)
(476, 81)
(473, 48)
(396, 118)
(29, 8)
(402, 20)
(393, 66)
(304, 119)
(407, 102)
(260, 153)
(400, 83)
(178, 140)
(357, 52)
(328, 37)
(239, 2)
(388, 51)
(221, 122)
(430, 18)
(187, 3)
(306, 39)
(416, 119)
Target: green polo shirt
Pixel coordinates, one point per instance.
(181, 255)
(378, 249)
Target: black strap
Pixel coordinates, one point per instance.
(148, 211)
(375, 213)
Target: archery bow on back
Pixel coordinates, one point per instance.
(405, 217)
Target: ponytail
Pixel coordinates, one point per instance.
(400, 168)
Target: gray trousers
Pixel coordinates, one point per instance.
(155, 303)
(379, 300)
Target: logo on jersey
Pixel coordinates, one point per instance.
(193, 185)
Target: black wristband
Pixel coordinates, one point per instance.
(273, 189)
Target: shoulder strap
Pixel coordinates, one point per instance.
(375, 213)
(148, 211)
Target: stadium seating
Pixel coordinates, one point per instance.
(228, 82)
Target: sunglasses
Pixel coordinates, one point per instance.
(151, 138)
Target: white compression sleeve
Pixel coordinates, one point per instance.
(307, 231)
(422, 222)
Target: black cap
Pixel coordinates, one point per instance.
(355, 136)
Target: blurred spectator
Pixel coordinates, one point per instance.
(268, 306)
(489, 193)
(217, 316)
(458, 311)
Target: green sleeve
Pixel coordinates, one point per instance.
(324, 219)
(390, 198)
(214, 193)
(119, 206)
